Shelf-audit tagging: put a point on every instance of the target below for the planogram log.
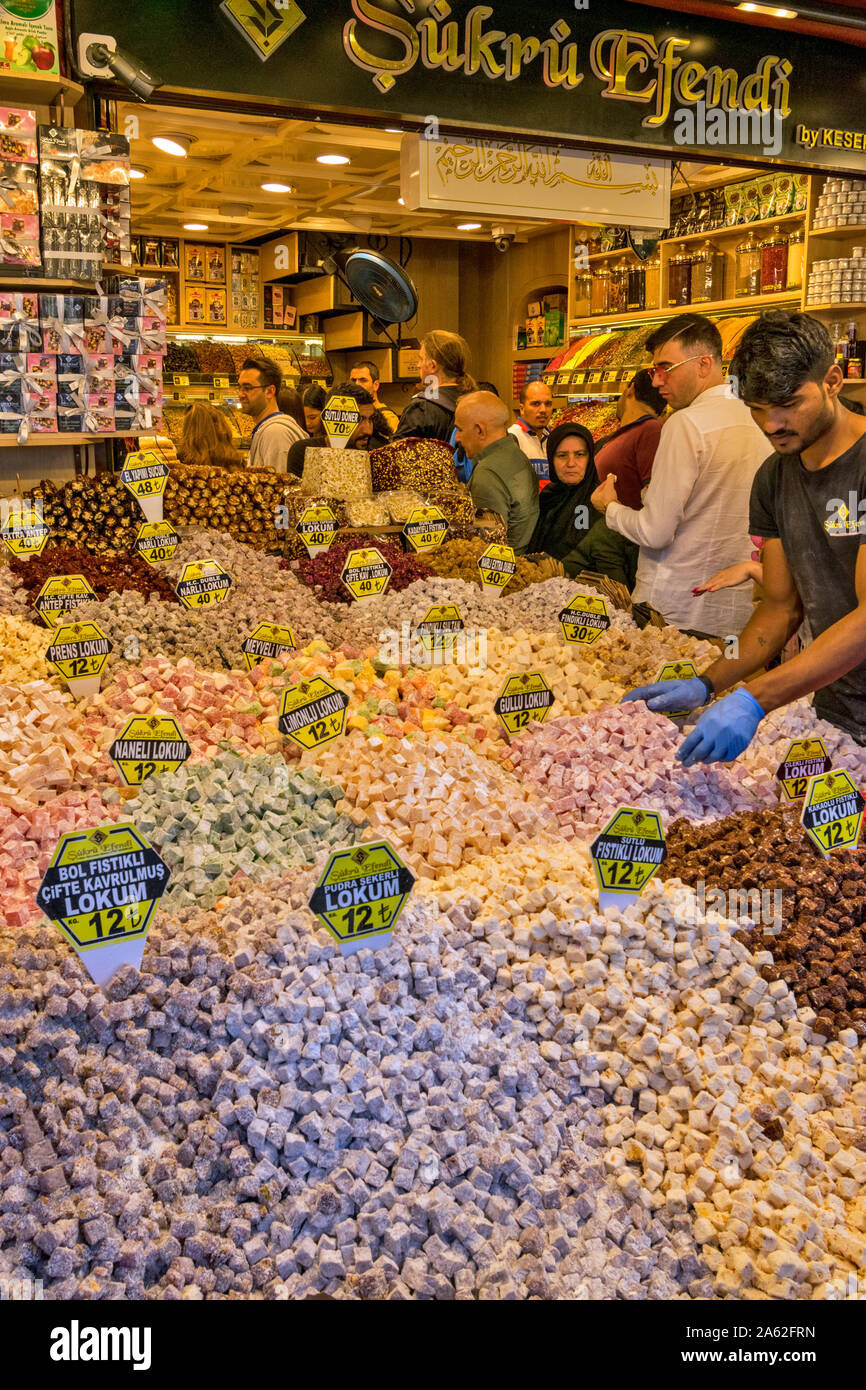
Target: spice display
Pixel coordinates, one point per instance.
(599, 417)
(774, 262)
(105, 575)
(322, 572)
(419, 464)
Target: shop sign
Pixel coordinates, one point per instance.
(805, 758)
(626, 854)
(78, 652)
(426, 528)
(832, 812)
(484, 176)
(584, 618)
(312, 712)
(268, 641)
(28, 39)
(60, 595)
(523, 698)
(366, 572)
(317, 527)
(203, 584)
(23, 532)
(341, 418)
(146, 745)
(101, 889)
(439, 628)
(361, 894)
(156, 541)
(497, 566)
(677, 671)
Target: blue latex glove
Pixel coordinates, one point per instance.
(670, 695)
(723, 731)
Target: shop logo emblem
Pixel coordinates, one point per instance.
(265, 24)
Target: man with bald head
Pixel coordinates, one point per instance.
(502, 480)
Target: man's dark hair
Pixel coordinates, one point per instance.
(778, 353)
(525, 387)
(693, 332)
(371, 368)
(487, 386)
(268, 371)
(646, 393)
(360, 394)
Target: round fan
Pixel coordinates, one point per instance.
(382, 286)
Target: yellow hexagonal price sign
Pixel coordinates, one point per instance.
(146, 745)
(78, 651)
(366, 573)
(523, 698)
(832, 811)
(23, 531)
(156, 541)
(439, 628)
(101, 889)
(341, 418)
(317, 527)
(203, 584)
(804, 758)
(144, 474)
(497, 566)
(312, 712)
(677, 671)
(627, 853)
(267, 641)
(58, 596)
(584, 618)
(361, 894)
(426, 528)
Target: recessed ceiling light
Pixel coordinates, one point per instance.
(136, 173)
(402, 202)
(768, 9)
(332, 159)
(277, 187)
(172, 143)
(469, 226)
(195, 226)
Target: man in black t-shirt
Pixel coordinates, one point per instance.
(809, 501)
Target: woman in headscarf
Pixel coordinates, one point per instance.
(565, 513)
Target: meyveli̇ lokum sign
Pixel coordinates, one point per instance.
(611, 72)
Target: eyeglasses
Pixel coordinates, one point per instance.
(664, 372)
(245, 390)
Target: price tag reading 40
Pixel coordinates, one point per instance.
(627, 853)
(312, 712)
(156, 541)
(584, 619)
(23, 530)
(148, 744)
(361, 894)
(341, 418)
(832, 812)
(317, 527)
(101, 888)
(805, 758)
(523, 698)
(202, 584)
(366, 573)
(426, 528)
(497, 566)
(79, 651)
(267, 641)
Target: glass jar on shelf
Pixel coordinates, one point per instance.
(618, 288)
(748, 278)
(708, 274)
(653, 283)
(680, 279)
(636, 286)
(796, 247)
(600, 298)
(582, 294)
(774, 262)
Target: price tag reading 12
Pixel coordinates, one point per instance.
(497, 566)
(584, 619)
(805, 758)
(626, 854)
(79, 651)
(523, 698)
(677, 671)
(148, 744)
(361, 894)
(832, 812)
(312, 712)
(202, 584)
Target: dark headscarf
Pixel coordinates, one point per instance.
(555, 532)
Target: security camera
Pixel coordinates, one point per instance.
(503, 238)
(99, 55)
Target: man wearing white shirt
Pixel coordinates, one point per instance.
(696, 507)
(530, 429)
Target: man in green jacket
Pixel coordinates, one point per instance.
(502, 480)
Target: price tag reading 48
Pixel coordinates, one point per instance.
(361, 894)
(832, 812)
(497, 566)
(312, 712)
(627, 853)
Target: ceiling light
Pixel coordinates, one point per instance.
(332, 159)
(402, 202)
(768, 9)
(195, 226)
(137, 173)
(233, 210)
(469, 226)
(277, 187)
(393, 130)
(172, 143)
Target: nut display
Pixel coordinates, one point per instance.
(343, 473)
(419, 464)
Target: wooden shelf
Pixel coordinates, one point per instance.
(763, 224)
(153, 270)
(859, 230)
(37, 88)
(21, 283)
(539, 354)
(9, 441)
(839, 308)
(716, 306)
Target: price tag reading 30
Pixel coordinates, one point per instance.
(361, 894)
(627, 853)
(584, 619)
(312, 712)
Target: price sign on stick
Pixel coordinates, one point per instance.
(312, 712)
(317, 527)
(79, 651)
(268, 641)
(497, 566)
(439, 628)
(341, 418)
(584, 619)
(203, 584)
(523, 698)
(361, 894)
(805, 758)
(147, 745)
(626, 854)
(156, 541)
(832, 812)
(366, 572)
(23, 531)
(58, 596)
